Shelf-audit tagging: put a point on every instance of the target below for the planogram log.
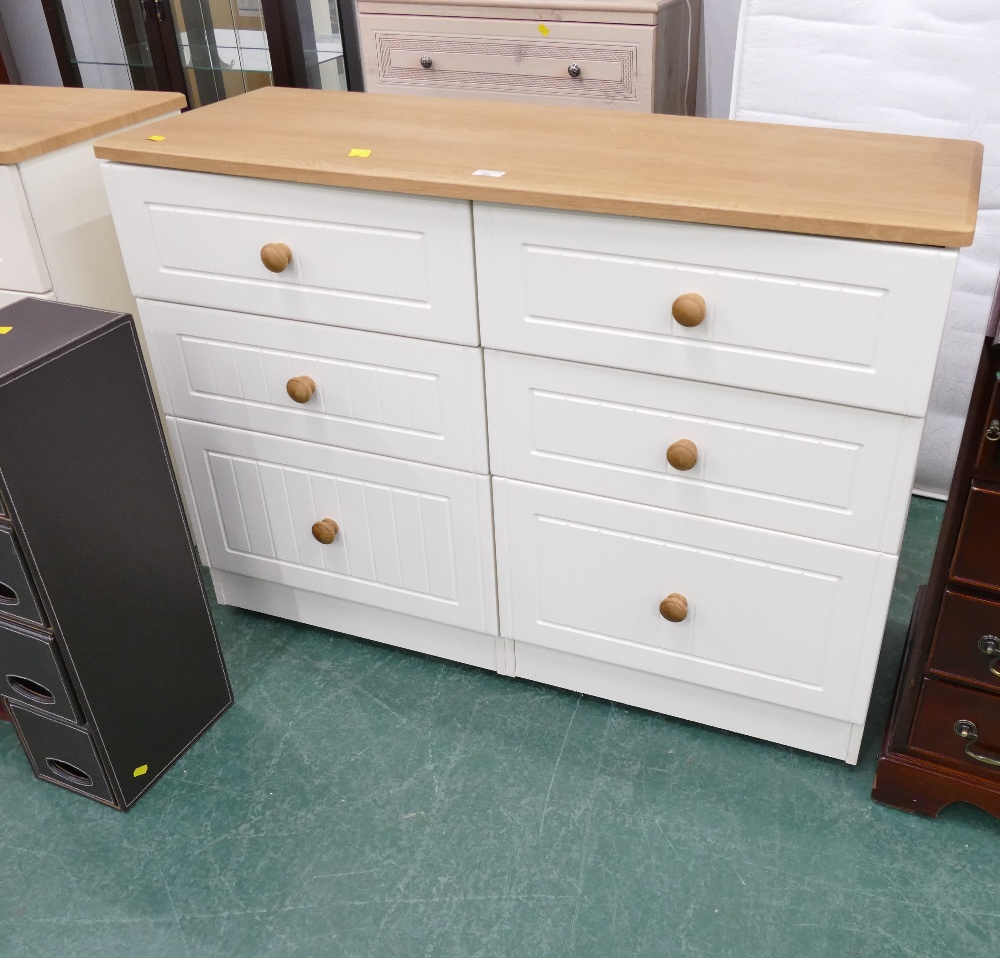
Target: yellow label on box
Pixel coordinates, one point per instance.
(360, 153)
(5, 329)
(141, 770)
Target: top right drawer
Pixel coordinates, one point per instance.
(846, 321)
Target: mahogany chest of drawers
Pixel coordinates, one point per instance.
(943, 740)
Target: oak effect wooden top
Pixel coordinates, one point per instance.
(793, 179)
(36, 119)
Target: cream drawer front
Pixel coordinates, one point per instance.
(377, 261)
(809, 468)
(510, 59)
(845, 321)
(405, 398)
(412, 538)
(773, 617)
(22, 267)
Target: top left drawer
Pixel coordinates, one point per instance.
(359, 259)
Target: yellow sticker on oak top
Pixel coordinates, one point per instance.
(141, 770)
(360, 153)
(156, 139)
(543, 30)
(5, 329)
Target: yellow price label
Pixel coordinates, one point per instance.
(543, 30)
(360, 153)
(156, 139)
(141, 770)
(5, 329)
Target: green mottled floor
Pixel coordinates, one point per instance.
(359, 801)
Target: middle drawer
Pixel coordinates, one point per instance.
(405, 398)
(793, 465)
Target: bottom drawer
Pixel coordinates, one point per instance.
(61, 753)
(31, 671)
(770, 616)
(401, 535)
(959, 725)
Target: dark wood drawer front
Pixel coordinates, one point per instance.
(32, 671)
(967, 640)
(977, 557)
(63, 754)
(17, 594)
(988, 459)
(959, 725)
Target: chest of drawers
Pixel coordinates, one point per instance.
(620, 426)
(57, 240)
(109, 663)
(943, 741)
(612, 54)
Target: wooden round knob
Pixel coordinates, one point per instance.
(325, 531)
(275, 256)
(674, 608)
(682, 454)
(689, 309)
(301, 388)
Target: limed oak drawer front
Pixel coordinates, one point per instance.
(406, 398)
(32, 671)
(401, 535)
(967, 640)
(380, 261)
(62, 753)
(959, 725)
(977, 557)
(773, 617)
(814, 469)
(17, 594)
(845, 321)
(606, 63)
(22, 267)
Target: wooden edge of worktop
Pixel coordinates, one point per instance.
(914, 190)
(36, 120)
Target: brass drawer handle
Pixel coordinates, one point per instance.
(674, 608)
(325, 531)
(967, 730)
(993, 433)
(275, 257)
(990, 645)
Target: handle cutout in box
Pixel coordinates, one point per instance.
(33, 691)
(69, 773)
(7, 595)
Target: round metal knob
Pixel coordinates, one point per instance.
(689, 309)
(426, 62)
(989, 645)
(574, 70)
(325, 531)
(300, 388)
(674, 608)
(682, 455)
(275, 256)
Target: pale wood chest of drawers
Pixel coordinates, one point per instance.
(56, 236)
(615, 54)
(621, 426)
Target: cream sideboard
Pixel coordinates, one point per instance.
(642, 426)
(57, 240)
(617, 54)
